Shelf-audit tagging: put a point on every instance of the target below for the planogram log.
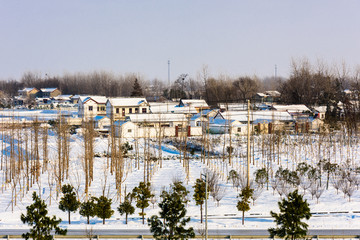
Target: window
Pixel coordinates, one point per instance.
(136, 110)
(117, 110)
(90, 108)
(102, 108)
(143, 110)
(98, 108)
(123, 111)
(239, 129)
(130, 110)
(129, 130)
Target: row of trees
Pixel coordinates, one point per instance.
(172, 220)
(307, 84)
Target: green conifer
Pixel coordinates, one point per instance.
(292, 210)
(171, 222)
(142, 195)
(126, 208)
(87, 209)
(103, 208)
(200, 195)
(68, 202)
(244, 204)
(42, 225)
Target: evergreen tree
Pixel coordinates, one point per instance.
(172, 220)
(137, 91)
(181, 190)
(87, 209)
(126, 208)
(103, 208)
(292, 210)
(244, 204)
(68, 202)
(200, 195)
(142, 194)
(42, 225)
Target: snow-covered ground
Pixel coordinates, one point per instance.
(333, 211)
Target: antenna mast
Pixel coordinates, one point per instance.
(169, 73)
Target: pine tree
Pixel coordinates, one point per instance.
(172, 220)
(126, 208)
(244, 204)
(292, 210)
(103, 208)
(142, 194)
(137, 91)
(42, 225)
(200, 195)
(87, 209)
(68, 202)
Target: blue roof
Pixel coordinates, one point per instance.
(119, 123)
(202, 113)
(262, 121)
(97, 118)
(220, 121)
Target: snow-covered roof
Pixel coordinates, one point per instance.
(233, 106)
(200, 114)
(261, 94)
(194, 102)
(27, 89)
(48, 89)
(126, 101)
(171, 107)
(292, 108)
(273, 93)
(241, 116)
(320, 109)
(63, 97)
(223, 122)
(97, 99)
(163, 117)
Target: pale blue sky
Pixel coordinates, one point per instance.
(231, 37)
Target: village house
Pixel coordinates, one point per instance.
(48, 93)
(265, 121)
(28, 92)
(295, 110)
(158, 125)
(202, 118)
(119, 108)
(221, 126)
(91, 106)
(198, 104)
(267, 96)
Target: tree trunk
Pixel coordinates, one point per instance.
(201, 215)
(69, 217)
(126, 217)
(88, 220)
(143, 218)
(104, 221)
(243, 216)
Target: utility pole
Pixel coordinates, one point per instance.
(169, 73)
(206, 200)
(248, 145)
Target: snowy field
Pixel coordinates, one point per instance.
(332, 210)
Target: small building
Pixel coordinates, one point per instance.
(221, 126)
(320, 112)
(49, 92)
(102, 122)
(28, 93)
(198, 104)
(119, 108)
(91, 106)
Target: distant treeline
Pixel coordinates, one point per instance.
(310, 84)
